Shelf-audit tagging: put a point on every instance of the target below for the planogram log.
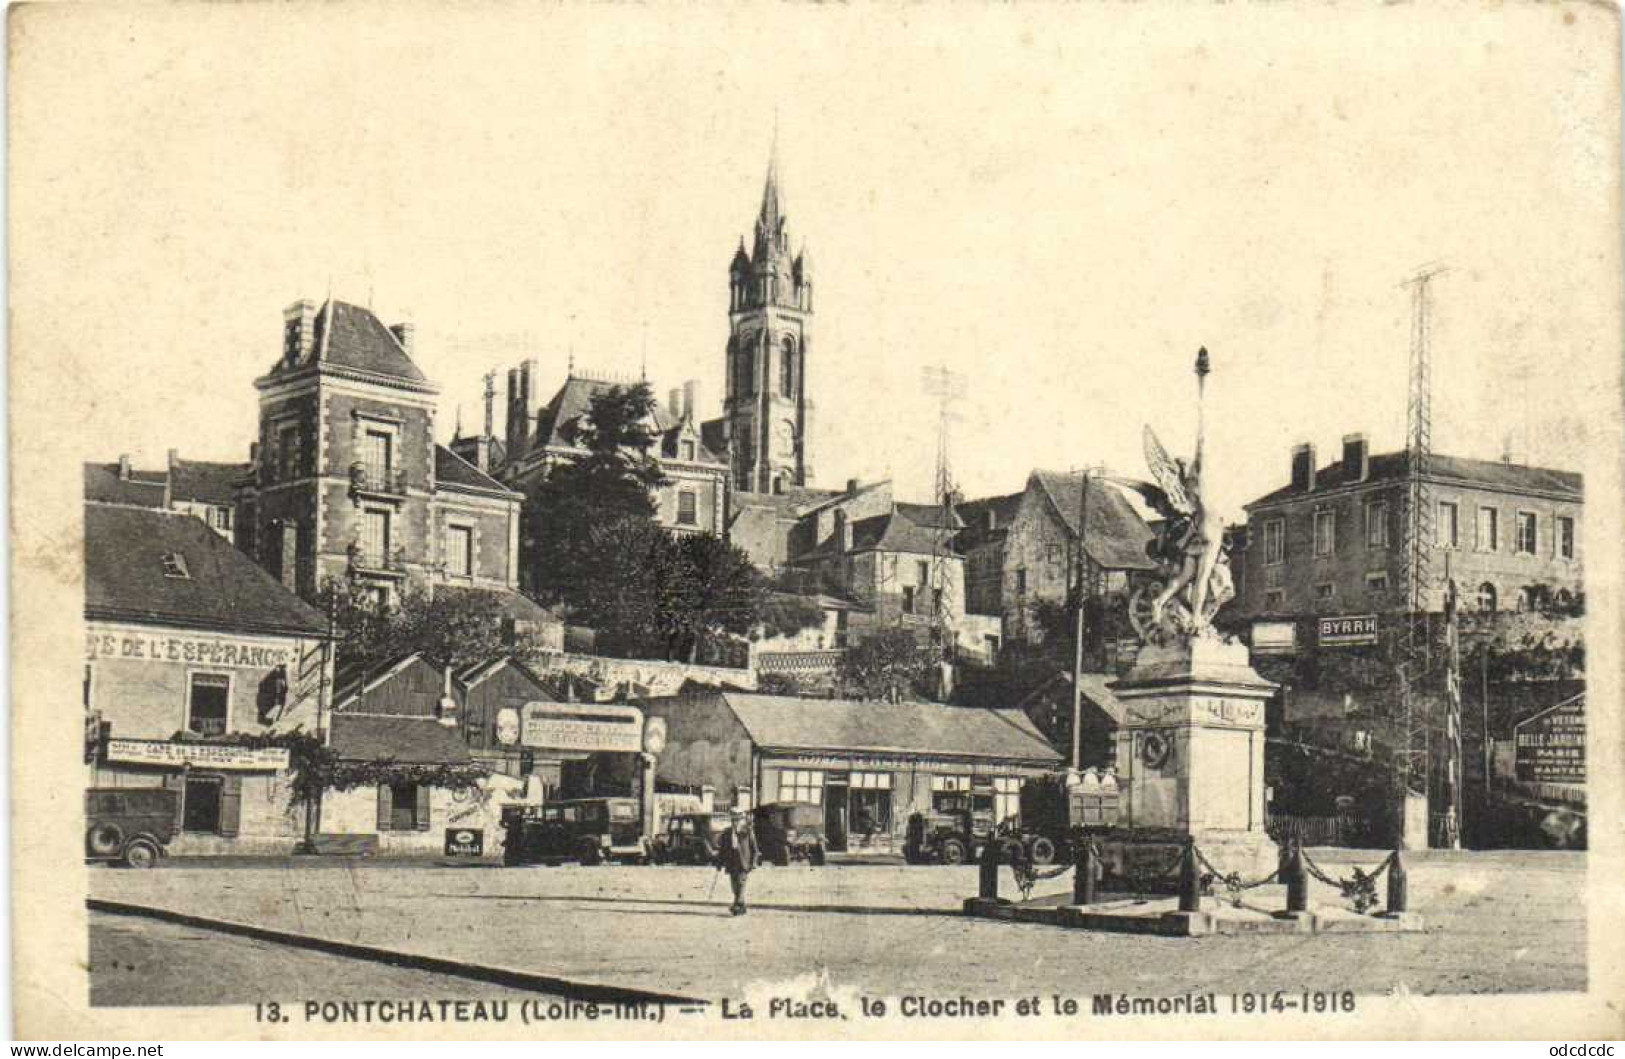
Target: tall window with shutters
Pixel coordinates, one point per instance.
(376, 456)
(403, 807)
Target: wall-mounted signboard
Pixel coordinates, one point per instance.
(197, 755)
(1550, 747)
(582, 726)
(1347, 630)
(1275, 637)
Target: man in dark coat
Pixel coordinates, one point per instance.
(736, 855)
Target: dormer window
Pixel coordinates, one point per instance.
(687, 449)
(175, 566)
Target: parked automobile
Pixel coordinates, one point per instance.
(588, 830)
(954, 831)
(787, 831)
(129, 825)
(689, 838)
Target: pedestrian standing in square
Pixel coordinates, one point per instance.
(736, 855)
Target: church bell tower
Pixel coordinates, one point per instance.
(770, 304)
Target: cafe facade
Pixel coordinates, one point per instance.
(191, 651)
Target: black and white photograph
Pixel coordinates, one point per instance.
(815, 521)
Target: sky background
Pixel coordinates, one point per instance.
(1060, 205)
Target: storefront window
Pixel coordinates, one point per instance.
(870, 803)
(208, 703)
(801, 785)
(948, 793)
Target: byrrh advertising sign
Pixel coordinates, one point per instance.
(1550, 747)
(1348, 630)
(582, 726)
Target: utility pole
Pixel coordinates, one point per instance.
(1077, 652)
(1416, 648)
(948, 387)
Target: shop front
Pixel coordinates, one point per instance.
(193, 655)
(869, 765)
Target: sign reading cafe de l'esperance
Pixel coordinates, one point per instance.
(149, 647)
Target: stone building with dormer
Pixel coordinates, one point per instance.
(347, 481)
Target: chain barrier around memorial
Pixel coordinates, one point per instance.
(1361, 890)
(1199, 875)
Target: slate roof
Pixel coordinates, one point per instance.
(205, 482)
(404, 740)
(125, 577)
(1117, 535)
(912, 528)
(973, 513)
(1391, 466)
(349, 336)
(142, 488)
(557, 422)
(925, 728)
(515, 605)
(451, 469)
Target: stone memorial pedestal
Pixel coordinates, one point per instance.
(1190, 751)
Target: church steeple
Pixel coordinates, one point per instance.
(767, 410)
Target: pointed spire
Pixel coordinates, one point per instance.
(771, 212)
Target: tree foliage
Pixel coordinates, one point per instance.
(887, 666)
(608, 484)
(450, 629)
(593, 546)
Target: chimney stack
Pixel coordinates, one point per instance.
(404, 333)
(674, 403)
(851, 487)
(298, 330)
(512, 424)
(1303, 468)
(124, 467)
(691, 399)
(1356, 458)
(482, 453)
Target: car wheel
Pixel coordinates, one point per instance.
(953, 851)
(816, 857)
(141, 854)
(1041, 851)
(104, 840)
(590, 854)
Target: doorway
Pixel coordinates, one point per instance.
(835, 817)
(202, 810)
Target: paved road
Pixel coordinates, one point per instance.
(146, 963)
(1497, 922)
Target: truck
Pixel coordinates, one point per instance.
(958, 827)
(961, 822)
(587, 830)
(132, 826)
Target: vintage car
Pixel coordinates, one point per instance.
(787, 831)
(129, 825)
(689, 838)
(589, 830)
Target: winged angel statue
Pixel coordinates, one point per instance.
(1194, 574)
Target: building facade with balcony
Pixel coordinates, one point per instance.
(1331, 541)
(347, 481)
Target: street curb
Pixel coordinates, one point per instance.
(575, 990)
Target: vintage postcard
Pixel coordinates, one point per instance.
(698, 521)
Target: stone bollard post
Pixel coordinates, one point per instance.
(1297, 882)
(1083, 875)
(1190, 883)
(1398, 890)
(988, 888)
